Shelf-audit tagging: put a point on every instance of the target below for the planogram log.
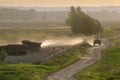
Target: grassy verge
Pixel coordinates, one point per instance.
(41, 70)
(106, 69)
(109, 32)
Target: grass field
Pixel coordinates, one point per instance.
(32, 32)
(39, 71)
(109, 32)
(35, 71)
(10, 35)
(106, 69)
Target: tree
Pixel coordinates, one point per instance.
(82, 23)
(3, 55)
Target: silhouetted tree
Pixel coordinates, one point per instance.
(82, 23)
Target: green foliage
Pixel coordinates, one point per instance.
(82, 23)
(40, 71)
(106, 69)
(19, 72)
(3, 55)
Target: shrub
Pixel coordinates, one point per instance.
(3, 55)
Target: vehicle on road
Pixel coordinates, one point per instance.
(97, 40)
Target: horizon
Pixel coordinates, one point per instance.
(55, 6)
(61, 3)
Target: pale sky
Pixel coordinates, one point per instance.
(60, 2)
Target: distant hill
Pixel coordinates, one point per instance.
(37, 16)
(52, 13)
(105, 15)
(93, 9)
(96, 9)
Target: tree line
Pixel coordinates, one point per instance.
(16, 15)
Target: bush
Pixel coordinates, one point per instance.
(3, 55)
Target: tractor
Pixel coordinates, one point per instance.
(97, 40)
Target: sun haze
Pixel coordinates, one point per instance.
(59, 2)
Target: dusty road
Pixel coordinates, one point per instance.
(92, 55)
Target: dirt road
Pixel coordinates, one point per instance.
(93, 54)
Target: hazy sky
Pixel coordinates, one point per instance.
(60, 2)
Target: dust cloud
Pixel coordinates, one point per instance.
(67, 41)
(51, 40)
